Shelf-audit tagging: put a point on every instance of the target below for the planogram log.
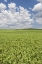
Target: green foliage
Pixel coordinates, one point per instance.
(20, 46)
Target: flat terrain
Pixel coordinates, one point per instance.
(20, 46)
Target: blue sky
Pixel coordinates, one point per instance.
(24, 3)
(18, 14)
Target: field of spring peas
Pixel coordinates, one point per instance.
(20, 46)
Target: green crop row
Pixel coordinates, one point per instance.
(20, 46)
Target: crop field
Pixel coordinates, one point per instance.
(20, 46)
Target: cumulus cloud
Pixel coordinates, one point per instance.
(2, 6)
(38, 6)
(38, 9)
(15, 17)
(12, 5)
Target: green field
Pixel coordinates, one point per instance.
(20, 46)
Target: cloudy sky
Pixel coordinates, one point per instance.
(18, 14)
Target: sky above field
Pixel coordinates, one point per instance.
(20, 14)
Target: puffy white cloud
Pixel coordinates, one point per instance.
(12, 6)
(2, 6)
(37, 7)
(5, 0)
(15, 17)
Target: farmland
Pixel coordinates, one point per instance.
(20, 46)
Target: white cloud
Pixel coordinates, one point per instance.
(15, 17)
(37, 7)
(2, 6)
(12, 5)
(5, 0)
